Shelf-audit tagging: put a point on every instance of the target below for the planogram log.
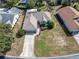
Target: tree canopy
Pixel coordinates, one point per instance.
(6, 38)
(11, 3)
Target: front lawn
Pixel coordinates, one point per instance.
(55, 42)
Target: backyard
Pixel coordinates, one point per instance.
(55, 42)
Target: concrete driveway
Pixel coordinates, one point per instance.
(76, 38)
(28, 49)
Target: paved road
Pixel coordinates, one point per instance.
(65, 57)
(28, 49)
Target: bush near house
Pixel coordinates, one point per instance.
(76, 6)
(50, 25)
(21, 5)
(20, 33)
(65, 3)
(47, 25)
(6, 38)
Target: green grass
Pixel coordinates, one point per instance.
(42, 46)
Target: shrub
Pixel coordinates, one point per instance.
(50, 25)
(6, 37)
(21, 33)
(21, 5)
(76, 6)
(39, 4)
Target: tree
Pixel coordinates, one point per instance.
(39, 3)
(6, 38)
(50, 24)
(11, 3)
(21, 33)
(31, 4)
(51, 2)
(76, 6)
(65, 2)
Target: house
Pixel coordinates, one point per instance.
(34, 19)
(9, 16)
(69, 17)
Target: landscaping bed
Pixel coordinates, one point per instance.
(55, 42)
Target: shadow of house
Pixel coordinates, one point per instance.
(59, 2)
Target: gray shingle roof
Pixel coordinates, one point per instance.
(38, 16)
(14, 10)
(32, 19)
(28, 26)
(6, 18)
(9, 16)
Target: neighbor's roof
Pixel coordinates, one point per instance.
(8, 18)
(68, 14)
(14, 10)
(3, 9)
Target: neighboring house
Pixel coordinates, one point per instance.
(34, 19)
(9, 16)
(69, 17)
